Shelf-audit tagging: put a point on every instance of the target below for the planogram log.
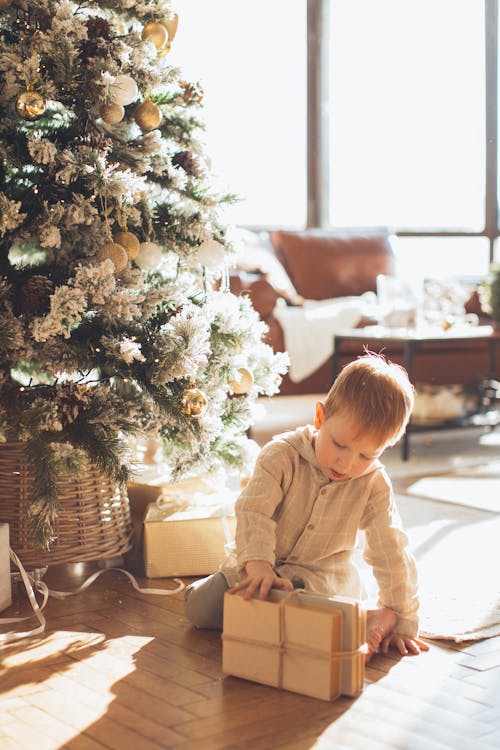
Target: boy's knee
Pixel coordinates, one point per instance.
(194, 608)
(204, 600)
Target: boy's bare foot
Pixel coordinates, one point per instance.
(379, 624)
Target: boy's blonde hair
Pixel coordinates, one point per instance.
(376, 394)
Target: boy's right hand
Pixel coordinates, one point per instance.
(260, 576)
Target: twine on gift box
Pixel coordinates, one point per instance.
(283, 647)
(31, 585)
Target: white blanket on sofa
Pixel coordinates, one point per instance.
(308, 330)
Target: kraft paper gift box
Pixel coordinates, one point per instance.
(306, 643)
(186, 530)
(5, 582)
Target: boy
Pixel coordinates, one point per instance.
(311, 491)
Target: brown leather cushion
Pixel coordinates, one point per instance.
(322, 265)
(263, 295)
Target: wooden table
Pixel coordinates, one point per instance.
(411, 339)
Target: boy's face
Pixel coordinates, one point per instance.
(343, 451)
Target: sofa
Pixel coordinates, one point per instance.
(290, 269)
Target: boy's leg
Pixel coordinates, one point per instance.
(204, 601)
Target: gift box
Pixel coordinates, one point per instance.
(186, 529)
(306, 643)
(5, 581)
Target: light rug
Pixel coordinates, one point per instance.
(472, 486)
(459, 577)
(458, 562)
(457, 549)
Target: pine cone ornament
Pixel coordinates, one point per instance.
(192, 93)
(35, 295)
(188, 162)
(98, 28)
(98, 31)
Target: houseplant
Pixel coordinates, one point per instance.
(111, 249)
(489, 294)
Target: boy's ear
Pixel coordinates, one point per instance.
(319, 414)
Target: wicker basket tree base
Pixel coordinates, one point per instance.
(93, 521)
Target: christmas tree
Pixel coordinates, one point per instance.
(115, 314)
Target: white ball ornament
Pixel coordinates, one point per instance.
(149, 256)
(124, 90)
(211, 254)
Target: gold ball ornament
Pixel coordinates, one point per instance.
(112, 113)
(130, 242)
(164, 50)
(171, 25)
(147, 115)
(116, 253)
(30, 104)
(124, 90)
(193, 403)
(156, 33)
(4, 4)
(243, 383)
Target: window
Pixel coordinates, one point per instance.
(407, 120)
(407, 128)
(251, 60)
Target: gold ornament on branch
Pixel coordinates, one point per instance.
(193, 403)
(5, 4)
(243, 383)
(30, 104)
(147, 115)
(129, 241)
(115, 253)
(156, 33)
(112, 113)
(171, 25)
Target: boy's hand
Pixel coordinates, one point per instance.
(404, 644)
(260, 576)
(380, 635)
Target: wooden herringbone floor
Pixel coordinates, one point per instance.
(118, 669)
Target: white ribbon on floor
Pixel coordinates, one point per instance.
(31, 585)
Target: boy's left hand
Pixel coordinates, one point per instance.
(403, 643)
